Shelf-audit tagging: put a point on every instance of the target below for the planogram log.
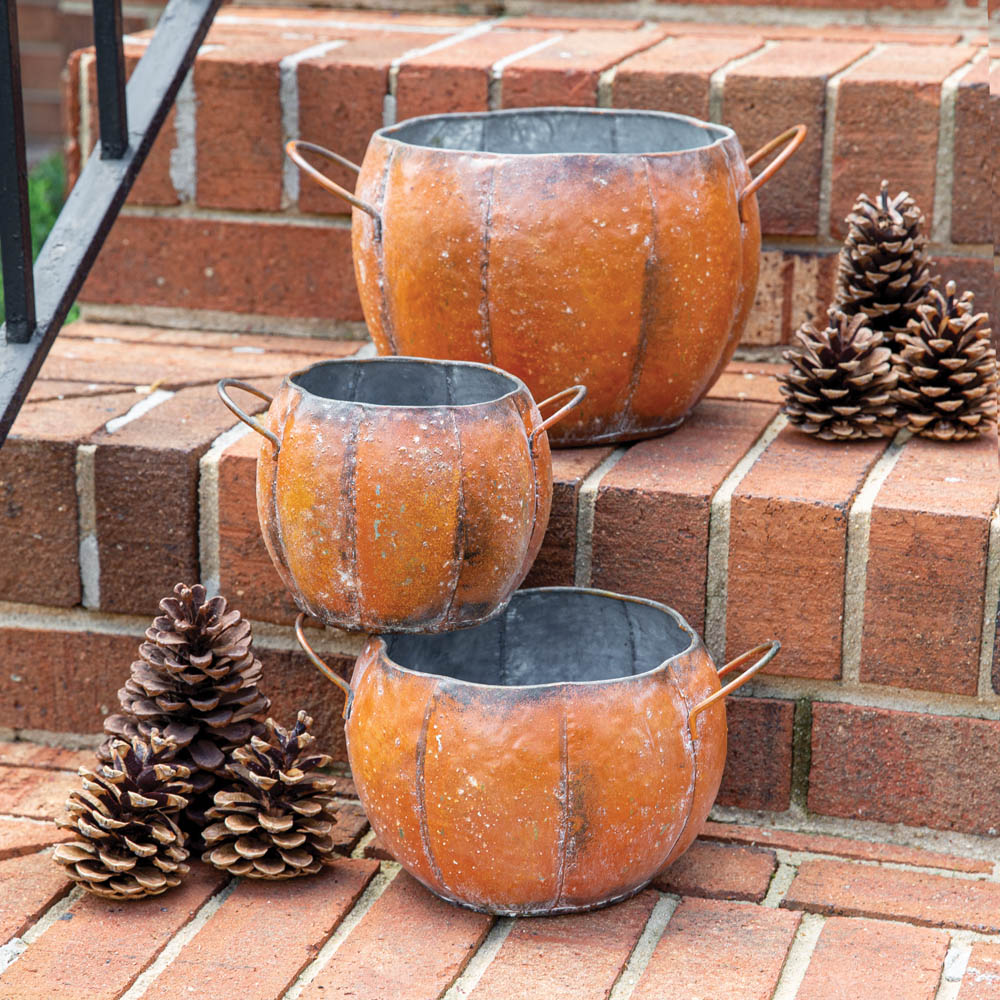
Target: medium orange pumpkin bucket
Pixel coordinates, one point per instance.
(552, 760)
(402, 494)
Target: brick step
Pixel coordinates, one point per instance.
(728, 920)
(876, 565)
(217, 182)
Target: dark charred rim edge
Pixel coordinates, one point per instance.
(694, 644)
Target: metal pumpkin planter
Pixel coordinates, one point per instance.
(552, 760)
(617, 249)
(402, 494)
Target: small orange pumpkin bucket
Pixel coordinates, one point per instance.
(554, 759)
(402, 494)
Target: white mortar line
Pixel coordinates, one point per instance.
(208, 506)
(359, 851)
(386, 873)
(496, 70)
(781, 880)
(717, 583)
(480, 961)
(312, 24)
(605, 88)
(797, 858)
(183, 157)
(643, 951)
(190, 211)
(17, 946)
(717, 81)
(147, 403)
(174, 946)
(585, 504)
(86, 505)
(288, 91)
(798, 957)
(859, 519)
(86, 60)
(944, 173)
(991, 610)
(824, 228)
(955, 963)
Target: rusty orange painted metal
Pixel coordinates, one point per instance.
(399, 494)
(552, 760)
(618, 249)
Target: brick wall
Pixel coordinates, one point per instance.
(909, 105)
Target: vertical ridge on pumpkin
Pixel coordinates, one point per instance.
(460, 523)
(388, 326)
(564, 820)
(421, 782)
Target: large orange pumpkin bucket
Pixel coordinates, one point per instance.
(554, 759)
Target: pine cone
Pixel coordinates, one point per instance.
(884, 271)
(196, 681)
(841, 381)
(276, 819)
(129, 845)
(947, 370)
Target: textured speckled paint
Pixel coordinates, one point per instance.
(630, 273)
(403, 518)
(536, 799)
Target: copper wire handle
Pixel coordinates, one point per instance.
(794, 137)
(322, 667)
(292, 151)
(768, 649)
(577, 392)
(251, 422)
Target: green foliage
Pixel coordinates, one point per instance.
(46, 193)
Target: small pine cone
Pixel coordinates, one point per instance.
(841, 381)
(276, 819)
(947, 370)
(884, 271)
(196, 681)
(129, 844)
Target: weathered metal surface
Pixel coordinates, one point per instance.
(401, 494)
(543, 762)
(617, 249)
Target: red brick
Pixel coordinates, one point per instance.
(61, 681)
(25, 754)
(376, 849)
(995, 131)
(39, 522)
(926, 566)
(578, 957)
(409, 946)
(70, 83)
(457, 78)
(904, 767)
(758, 772)
(26, 836)
(982, 975)
(341, 96)
(31, 885)
(280, 926)
(345, 788)
(559, 23)
(841, 4)
(36, 794)
(887, 125)
(294, 271)
(974, 274)
(769, 320)
(555, 563)
(117, 938)
(720, 871)
(788, 550)
(239, 137)
(720, 950)
(41, 62)
(971, 199)
(817, 843)
(567, 73)
(146, 496)
(674, 75)
(652, 511)
(351, 826)
(854, 890)
(784, 86)
(757, 387)
(851, 954)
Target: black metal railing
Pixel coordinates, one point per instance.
(38, 298)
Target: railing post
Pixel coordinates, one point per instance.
(15, 219)
(110, 78)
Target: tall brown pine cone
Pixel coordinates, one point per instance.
(129, 844)
(841, 381)
(947, 370)
(196, 681)
(275, 820)
(884, 271)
